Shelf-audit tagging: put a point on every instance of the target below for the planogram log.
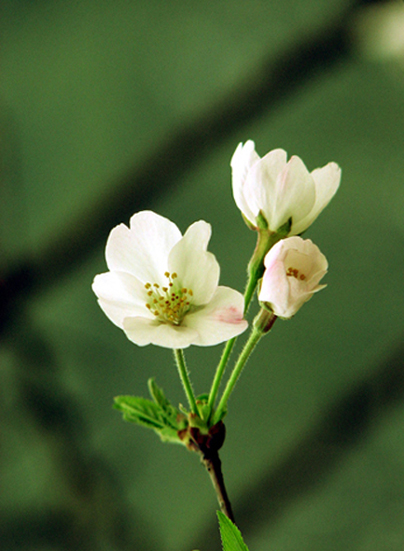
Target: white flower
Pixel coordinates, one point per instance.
(294, 267)
(281, 190)
(162, 287)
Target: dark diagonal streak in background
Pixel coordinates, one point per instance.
(266, 88)
(269, 85)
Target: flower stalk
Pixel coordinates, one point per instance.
(219, 372)
(262, 325)
(265, 240)
(186, 383)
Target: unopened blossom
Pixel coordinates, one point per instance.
(293, 270)
(280, 190)
(162, 287)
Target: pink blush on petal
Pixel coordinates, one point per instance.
(229, 315)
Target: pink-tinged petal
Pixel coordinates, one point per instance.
(326, 180)
(120, 295)
(219, 321)
(143, 331)
(143, 249)
(197, 269)
(275, 285)
(242, 161)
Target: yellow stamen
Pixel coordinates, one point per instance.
(169, 303)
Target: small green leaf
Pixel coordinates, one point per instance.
(157, 394)
(141, 411)
(230, 534)
(172, 416)
(166, 422)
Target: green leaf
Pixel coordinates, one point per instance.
(165, 421)
(157, 394)
(141, 411)
(230, 534)
(172, 416)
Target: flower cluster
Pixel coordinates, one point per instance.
(162, 286)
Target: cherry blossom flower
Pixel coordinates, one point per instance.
(280, 190)
(162, 287)
(294, 268)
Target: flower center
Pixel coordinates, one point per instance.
(169, 303)
(294, 272)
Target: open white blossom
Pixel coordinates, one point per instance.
(294, 268)
(162, 287)
(280, 189)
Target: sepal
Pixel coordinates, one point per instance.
(204, 410)
(284, 230)
(261, 221)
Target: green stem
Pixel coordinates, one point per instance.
(256, 268)
(262, 325)
(186, 383)
(265, 240)
(250, 288)
(244, 355)
(219, 372)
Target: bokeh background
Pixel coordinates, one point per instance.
(107, 108)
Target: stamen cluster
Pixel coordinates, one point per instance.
(293, 272)
(169, 303)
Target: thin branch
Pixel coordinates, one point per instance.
(213, 466)
(318, 452)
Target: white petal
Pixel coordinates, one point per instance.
(120, 295)
(260, 187)
(197, 269)
(295, 194)
(243, 159)
(274, 162)
(326, 180)
(143, 249)
(275, 288)
(219, 321)
(143, 331)
(312, 260)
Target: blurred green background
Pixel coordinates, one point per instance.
(108, 108)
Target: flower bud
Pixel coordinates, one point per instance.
(293, 270)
